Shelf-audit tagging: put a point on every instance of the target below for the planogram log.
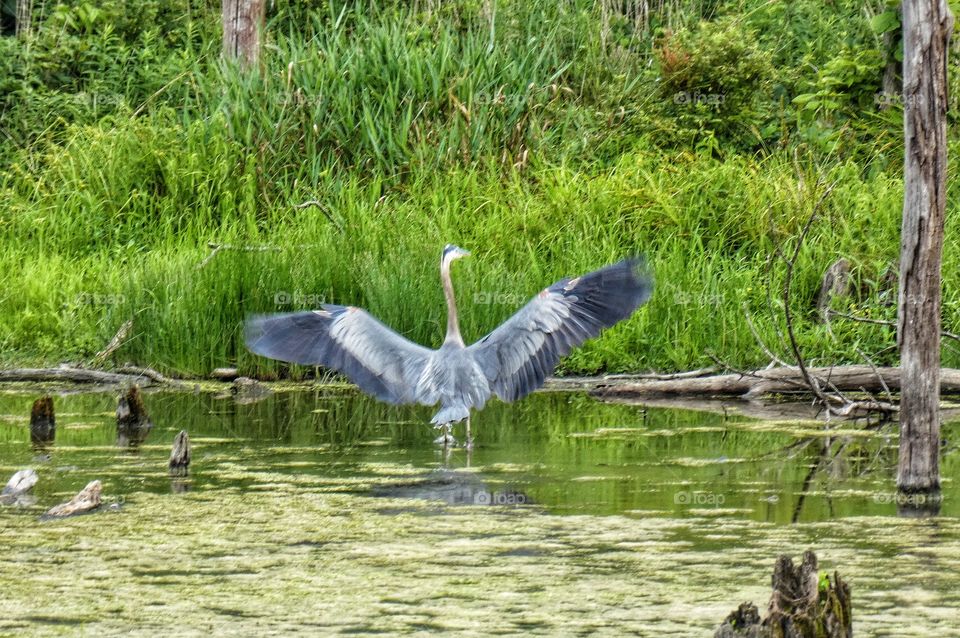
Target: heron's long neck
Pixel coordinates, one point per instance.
(453, 325)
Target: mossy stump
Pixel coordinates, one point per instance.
(43, 423)
(133, 423)
(180, 455)
(804, 604)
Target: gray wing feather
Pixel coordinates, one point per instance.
(349, 340)
(519, 355)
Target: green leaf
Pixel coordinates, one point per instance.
(884, 22)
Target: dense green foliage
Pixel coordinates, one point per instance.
(549, 138)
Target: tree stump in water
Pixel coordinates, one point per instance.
(180, 455)
(133, 424)
(43, 425)
(88, 499)
(803, 605)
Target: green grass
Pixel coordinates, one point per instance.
(537, 153)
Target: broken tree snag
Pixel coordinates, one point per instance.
(133, 423)
(88, 499)
(42, 421)
(180, 454)
(804, 604)
(836, 283)
(926, 35)
(242, 27)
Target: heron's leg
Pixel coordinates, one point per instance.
(445, 439)
(469, 442)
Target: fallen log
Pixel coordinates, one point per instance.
(67, 373)
(88, 499)
(749, 385)
(804, 604)
(43, 424)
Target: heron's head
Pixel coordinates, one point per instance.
(451, 253)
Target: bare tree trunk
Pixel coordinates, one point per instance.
(24, 14)
(926, 32)
(242, 26)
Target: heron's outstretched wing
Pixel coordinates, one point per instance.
(517, 357)
(349, 340)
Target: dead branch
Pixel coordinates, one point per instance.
(323, 209)
(763, 346)
(813, 383)
(118, 340)
(883, 322)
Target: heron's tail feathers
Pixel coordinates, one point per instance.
(450, 414)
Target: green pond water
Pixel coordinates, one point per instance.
(321, 512)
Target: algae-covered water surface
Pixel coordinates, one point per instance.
(322, 512)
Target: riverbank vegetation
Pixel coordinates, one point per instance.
(143, 178)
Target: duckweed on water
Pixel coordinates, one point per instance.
(293, 523)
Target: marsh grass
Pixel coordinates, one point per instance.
(413, 131)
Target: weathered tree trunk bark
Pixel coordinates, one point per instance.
(24, 17)
(242, 27)
(926, 36)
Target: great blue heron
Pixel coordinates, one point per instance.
(511, 362)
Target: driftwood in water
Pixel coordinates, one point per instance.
(180, 454)
(18, 486)
(803, 605)
(756, 383)
(133, 423)
(43, 426)
(88, 499)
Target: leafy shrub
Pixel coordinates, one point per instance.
(713, 85)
